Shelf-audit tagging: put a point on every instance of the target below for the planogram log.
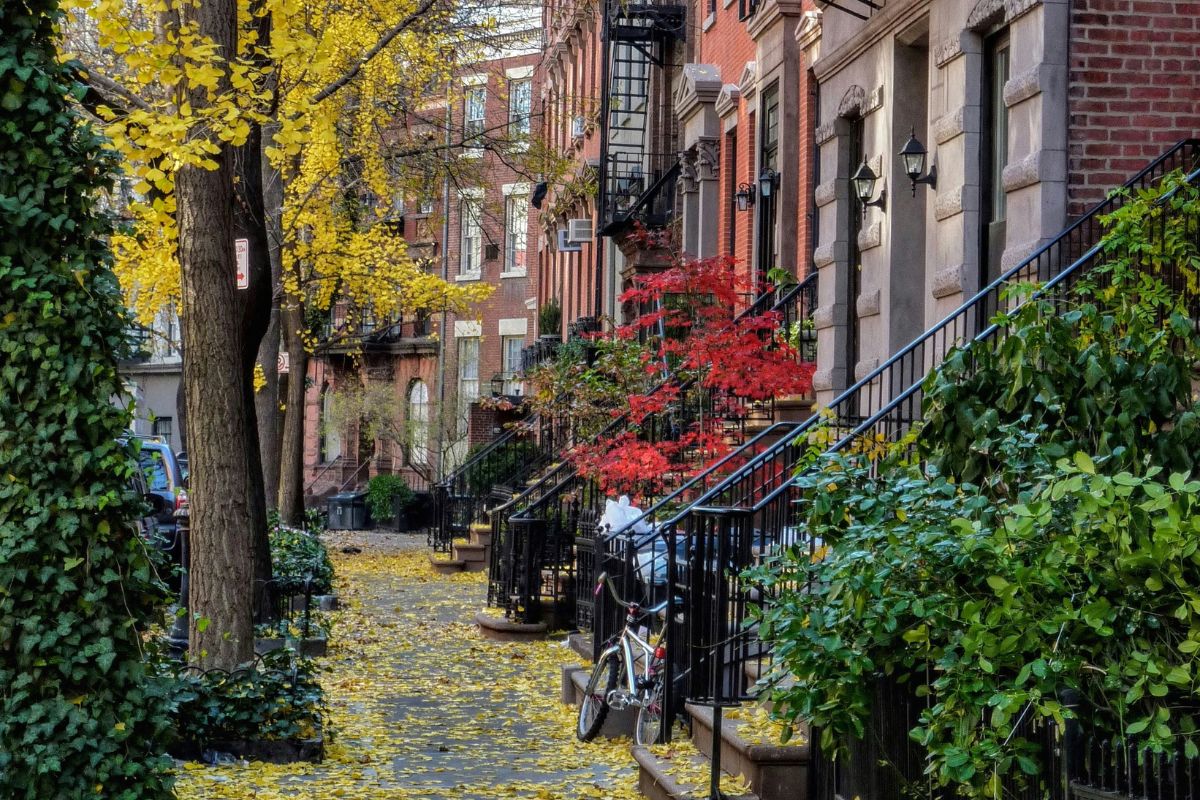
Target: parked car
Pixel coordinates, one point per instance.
(165, 481)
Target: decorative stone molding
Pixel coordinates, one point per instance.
(822, 380)
(870, 237)
(808, 31)
(865, 367)
(948, 50)
(823, 318)
(851, 104)
(824, 255)
(825, 133)
(825, 193)
(948, 281)
(699, 85)
(687, 172)
(950, 202)
(728, 100)
(1017, 254)
(708, 158)
(1026, 85)
(769, 11)
(748, 82)
(949, 126)
(989, 13)
(868, 304)
(1041, 165)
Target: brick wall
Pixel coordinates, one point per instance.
(1134, 88)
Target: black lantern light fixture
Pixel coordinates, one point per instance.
(863, 182)
(744, 196)
(497, 383)
(913, 156)
(766, 181)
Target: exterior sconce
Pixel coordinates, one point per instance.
(766, 181)
(744, 196)
(497, 383)
(913, 156)
(863, 182)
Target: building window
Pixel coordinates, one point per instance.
(418, 423)
(995, 157)
(468, 379)
(162, 427)
(768, 160)
(510, 351)
(520, 108)
(516, 232)
(473, 112)
(329, 445)
(471, 244)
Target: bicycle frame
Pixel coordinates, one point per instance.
(624, 648)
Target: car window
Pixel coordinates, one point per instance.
(155, 470)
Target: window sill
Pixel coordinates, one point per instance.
(472, 152)
(711, 20)
(516, 273)
(470, 276)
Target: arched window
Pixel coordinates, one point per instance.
(418, 423)
(329, 441)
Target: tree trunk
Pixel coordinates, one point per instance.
(270, 421)
(291, 473)
(221, 597)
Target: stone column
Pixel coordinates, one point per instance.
(708, 178)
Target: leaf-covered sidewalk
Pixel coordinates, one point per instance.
(423, 707)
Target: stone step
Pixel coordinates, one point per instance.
(447, 566)
(617, 723)
(482, 537)
(675, 777)
(794, 407)
(774, 771)
(471, 553)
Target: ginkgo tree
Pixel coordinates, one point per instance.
(293, 126)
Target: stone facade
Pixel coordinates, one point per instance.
(1014, 101)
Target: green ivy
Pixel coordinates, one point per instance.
(1042, 548)
(299, 557)
(78, 715)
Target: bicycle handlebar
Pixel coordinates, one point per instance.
(605, 580)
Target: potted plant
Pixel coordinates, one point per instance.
(550, 320)
(389, 497)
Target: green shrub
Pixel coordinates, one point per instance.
(550, 318)
(298, 557)
(277, 698)
(384, 492)
(78, 715)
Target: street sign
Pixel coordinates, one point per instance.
(283, 364)
(242, 248)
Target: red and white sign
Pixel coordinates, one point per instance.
(241, 247)
(283, 364)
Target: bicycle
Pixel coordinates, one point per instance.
(615, 682)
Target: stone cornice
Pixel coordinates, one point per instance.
(880, 25)
(699, 85)
(728, 100)
(770, 12)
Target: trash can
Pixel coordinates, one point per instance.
(348, 511)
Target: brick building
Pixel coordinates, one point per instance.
(1029, 109)
(473, 224)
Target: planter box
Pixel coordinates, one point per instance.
(282, 751)
(312, 647)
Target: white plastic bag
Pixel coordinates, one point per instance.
(618, 514)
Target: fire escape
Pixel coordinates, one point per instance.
(637, 172)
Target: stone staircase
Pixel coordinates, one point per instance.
(470, 556)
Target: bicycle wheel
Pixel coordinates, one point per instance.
(593, 708)
(651, 716)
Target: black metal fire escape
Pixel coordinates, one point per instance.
(634, 181)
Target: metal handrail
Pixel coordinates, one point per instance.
(337, 461)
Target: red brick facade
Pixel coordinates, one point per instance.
(1134, 88)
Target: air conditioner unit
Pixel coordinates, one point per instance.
(565, 245)
(491, 252)
(577, 127)
(579, 230)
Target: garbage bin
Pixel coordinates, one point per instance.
(348, 511)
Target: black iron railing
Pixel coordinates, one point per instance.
(572, 537)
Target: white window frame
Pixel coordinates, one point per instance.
(468, 379)
(520, 122)
(474, 111)
(516, 235)
(418, 424)
(510, 363)
(470, 237)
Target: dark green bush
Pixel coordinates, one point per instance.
(503, 463)
(299, 558)
(384, 492)
(78, 715)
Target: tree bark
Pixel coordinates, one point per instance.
(222, 630)
(270, 420)
(291, 473)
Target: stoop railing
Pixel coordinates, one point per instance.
(697, 555)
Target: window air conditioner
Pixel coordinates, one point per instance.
(565, 245)
(579, 230)
(577, 127)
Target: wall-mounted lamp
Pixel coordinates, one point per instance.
(744, 196)
(913, 156)
(863, 182)
(766, 181)
(497, 383)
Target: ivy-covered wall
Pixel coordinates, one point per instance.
(78, 717)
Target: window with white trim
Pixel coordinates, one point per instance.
(516, 232)
(418, 423)
(474, 105)
(520, 108)
(470, 251)
(468, 379)
(510, 352)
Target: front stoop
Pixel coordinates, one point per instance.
(775, 772)
(617, 724)
(656, 782)
(447, 566)
(473, 556)
(794, 407)
(505, 630)
(581, 643)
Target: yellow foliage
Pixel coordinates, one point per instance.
(332, 150)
